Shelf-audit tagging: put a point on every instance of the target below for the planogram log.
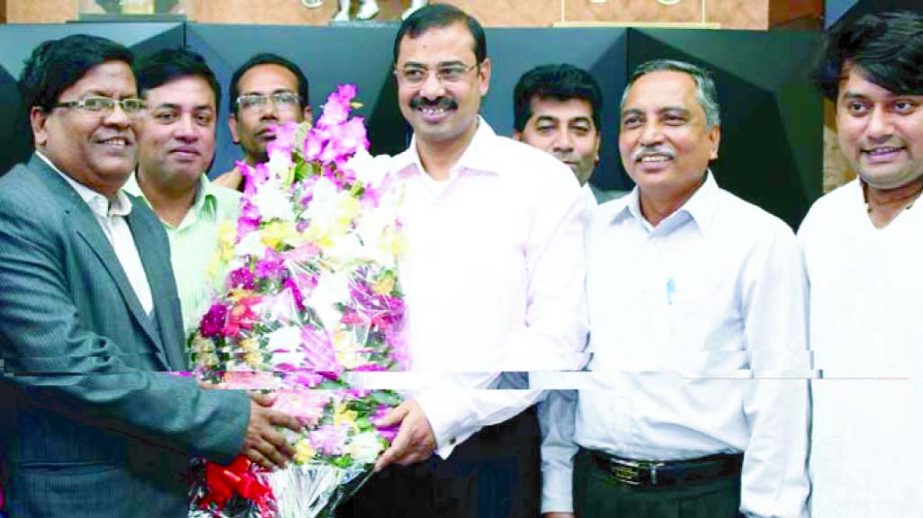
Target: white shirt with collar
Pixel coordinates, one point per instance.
(493, 277)
(683, 316)
(111, 217)
(866, 336)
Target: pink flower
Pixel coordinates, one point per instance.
(318, 350)
(285, 139)
(329, 439)
(307, 406)
(241, 316)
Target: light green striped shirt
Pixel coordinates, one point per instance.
(193, 244)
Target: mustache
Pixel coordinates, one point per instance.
(445, 103)
(652, 150)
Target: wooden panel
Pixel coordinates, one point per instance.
(784, 11)
(2, 11)
(45, 11)
(628, 11)
(510, 13)
(275, 12)
(738, 14)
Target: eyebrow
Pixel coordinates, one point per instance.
(101, 93)
(174, 106)
(414, 64)
(276, 91)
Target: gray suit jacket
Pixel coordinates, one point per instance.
(90, 422)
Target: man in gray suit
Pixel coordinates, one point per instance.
(91, 422)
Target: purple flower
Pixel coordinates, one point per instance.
(290, 284)
(270, 266)
(212, 324)
(241, 278)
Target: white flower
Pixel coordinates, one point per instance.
(279, 164)
(273, 202)
(365, 447)
(369, 170)
(332, 289)
(252, 245)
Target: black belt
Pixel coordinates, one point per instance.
(648, 473)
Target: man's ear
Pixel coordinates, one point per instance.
(38, 119)
(714, 136)
(232, 125)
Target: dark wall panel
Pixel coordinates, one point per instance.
(327, 55)
(771, 151)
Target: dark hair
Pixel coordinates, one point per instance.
(441, 15)
(267, 58)
(56, 65)
(888, 47)
(705, 92)
(168, 65)
(561, 82)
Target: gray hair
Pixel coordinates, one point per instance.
(705, 91)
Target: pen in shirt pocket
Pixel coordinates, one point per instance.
(671, 290)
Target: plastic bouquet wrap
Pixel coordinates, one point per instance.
(311, 291)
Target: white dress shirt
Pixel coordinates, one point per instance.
(866, 335)
(493, 277)
(683, 317)
(111, 217)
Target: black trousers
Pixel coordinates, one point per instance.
(598, 495)
(496, 473)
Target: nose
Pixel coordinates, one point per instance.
(117, 117)
(880, 126)
(185, 129)
(563, 142)
(432, 87)
(650, 133)
(268, 109)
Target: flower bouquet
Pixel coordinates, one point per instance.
(311, 291)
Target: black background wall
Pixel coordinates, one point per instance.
(771, 150)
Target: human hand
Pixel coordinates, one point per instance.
(264, 444)
(415, 440)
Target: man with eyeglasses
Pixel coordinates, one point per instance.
(176, 144)
(94, 424)
(493, 279)
(266, 90)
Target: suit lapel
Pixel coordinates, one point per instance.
(88, 228)
(154, 262)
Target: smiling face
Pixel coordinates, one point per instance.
(250, 127)
(442, 111)
(880, 132)
(566, 130)
(177, 134)
(97, 149)
(665, 142)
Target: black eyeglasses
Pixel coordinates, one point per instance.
(131, 106)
